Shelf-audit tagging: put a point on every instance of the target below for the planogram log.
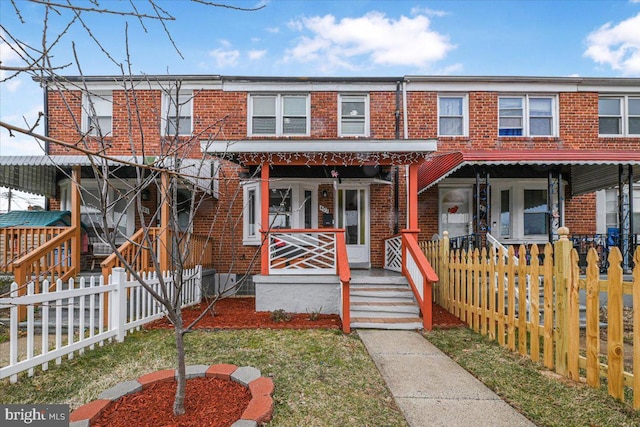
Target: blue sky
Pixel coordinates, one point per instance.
(327, 38)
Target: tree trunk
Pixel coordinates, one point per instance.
(178, 403)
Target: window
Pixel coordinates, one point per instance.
(619, 115)
(451, 116)
(291, 205)
(536, 212)
(354, 115)
(251, 213)
(526, 116)
(611, 210)
(179, 111)
(98, 114)
(278, 115)
(520, 210)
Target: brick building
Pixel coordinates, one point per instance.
(511, 158)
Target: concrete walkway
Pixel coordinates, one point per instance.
(430, 388)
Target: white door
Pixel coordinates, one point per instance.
(353, 216)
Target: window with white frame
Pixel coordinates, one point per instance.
(520, 210)
(527, 115)
(98, 113)
(179, 113)
(452, 115)
(619, 115)
(278, 115)
(292, 205)
(354, 115)
(611, 215)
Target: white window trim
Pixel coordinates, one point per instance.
(367, 117)
(167, 104)
(297, 201)
(624, 116)
(517, 189)
(247, 237)
(86, 112)
(526, 132)
(465, 112)
(279, 114)
(601, 209)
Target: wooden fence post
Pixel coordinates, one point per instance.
(562, 265)
(444, 271)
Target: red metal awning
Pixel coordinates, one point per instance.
(583, 163)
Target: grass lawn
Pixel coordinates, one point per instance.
(542, 396)
(322, 377)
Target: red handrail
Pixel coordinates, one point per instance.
(344, 273)
(429, 276)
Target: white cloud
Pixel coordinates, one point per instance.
(429, 12)
(225, 58)
(374, 38)
(256, 54)
(617, 45)
(273, 30)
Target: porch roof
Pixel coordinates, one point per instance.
(323, 151)
(37, 174)
(591, 170)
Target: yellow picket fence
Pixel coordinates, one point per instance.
(484, 289)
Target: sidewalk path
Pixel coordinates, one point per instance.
(430, 388)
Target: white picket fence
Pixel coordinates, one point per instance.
(129, 306)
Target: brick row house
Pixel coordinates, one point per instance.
(305, 169)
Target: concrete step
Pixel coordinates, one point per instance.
(379, 280)
(406, 323)
(384, 309)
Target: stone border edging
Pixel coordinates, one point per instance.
(259, 410)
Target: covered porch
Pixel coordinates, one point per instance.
(82, 244)
(525, 196)
(317, 215)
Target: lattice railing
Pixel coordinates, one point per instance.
(302, 252)
(393, 253)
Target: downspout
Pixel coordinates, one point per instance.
(405, 134)
(631, 234)
(396, 174)
(45, 100)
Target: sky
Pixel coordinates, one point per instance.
(315, 38)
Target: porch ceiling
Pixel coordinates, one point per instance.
(590, 170)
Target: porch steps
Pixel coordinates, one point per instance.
(383, 303)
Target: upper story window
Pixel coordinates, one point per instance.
(179, 113)
(98, 113)
(619, 115)
(527, 116)
(277, 115)
(452, 114)
(354, 115)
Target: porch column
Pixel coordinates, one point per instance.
(264, 218)
(75, 218)
(412, 208)
(163, 237)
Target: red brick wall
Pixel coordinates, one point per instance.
(223, 116)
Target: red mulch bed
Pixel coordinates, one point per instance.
(240, 313)
(442, 319)
(208, 402)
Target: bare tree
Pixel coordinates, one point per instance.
(171, 167)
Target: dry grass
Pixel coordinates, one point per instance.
(322, 377)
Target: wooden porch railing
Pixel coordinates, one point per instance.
(16, 242)
(420, 274)
(137, 252)
(51, 261)
(393, 253)
(344, 273)
(304, 251)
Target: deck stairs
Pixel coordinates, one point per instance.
(383, 300)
